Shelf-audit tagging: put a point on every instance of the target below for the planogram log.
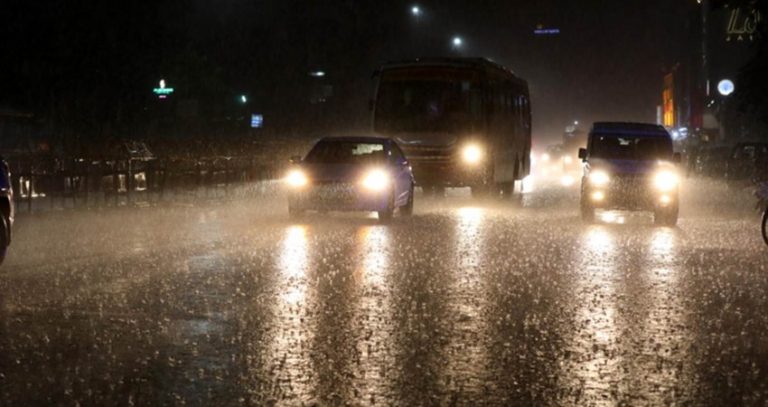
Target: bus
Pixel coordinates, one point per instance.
(462, 122)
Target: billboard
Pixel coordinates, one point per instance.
(732, 39)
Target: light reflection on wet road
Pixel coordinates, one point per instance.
(288, 346)
(465, 303)
(595, 361)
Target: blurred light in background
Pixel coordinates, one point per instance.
(257, 121)
(725, 87)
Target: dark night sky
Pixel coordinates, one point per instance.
(607, 62)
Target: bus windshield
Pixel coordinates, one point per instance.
(421, 104)
(628, 147)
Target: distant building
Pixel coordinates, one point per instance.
(723, 41)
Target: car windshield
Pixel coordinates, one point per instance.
(628, 147)
(440, 103)
(346, 152)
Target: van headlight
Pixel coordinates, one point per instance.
(296, 178)
(666, 180)
(599, 178)
(472, 154)
(376, 180)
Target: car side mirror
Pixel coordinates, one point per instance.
(677, 158)
(582, 154)
(295, 159)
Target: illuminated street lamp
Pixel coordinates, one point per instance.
(243, 99)
(416, 11)
(457, 42)
(725, 87)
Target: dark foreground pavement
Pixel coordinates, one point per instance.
(465, 303)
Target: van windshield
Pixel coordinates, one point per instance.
(628, 147)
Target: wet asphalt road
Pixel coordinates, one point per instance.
(465, 303)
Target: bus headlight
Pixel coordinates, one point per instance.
(665, 180)
(599, 178)
(472, 154)
(296, 178)
(376, 180)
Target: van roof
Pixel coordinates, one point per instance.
(636, 129)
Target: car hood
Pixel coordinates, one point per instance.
(334, 172)
(626, 167)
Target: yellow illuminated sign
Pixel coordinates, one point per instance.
(668, 101)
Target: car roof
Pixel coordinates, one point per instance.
(629, 128)
(359, 139)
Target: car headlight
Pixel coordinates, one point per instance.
(472, 154)
(665, 180)
(376, 180)
(599, 178)
(296, 178)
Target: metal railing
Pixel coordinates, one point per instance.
(82, 183)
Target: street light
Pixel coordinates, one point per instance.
(457, 42)
(243, 99)
(416, 11)
(725, 87)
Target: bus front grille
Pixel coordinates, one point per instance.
(422, 154)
